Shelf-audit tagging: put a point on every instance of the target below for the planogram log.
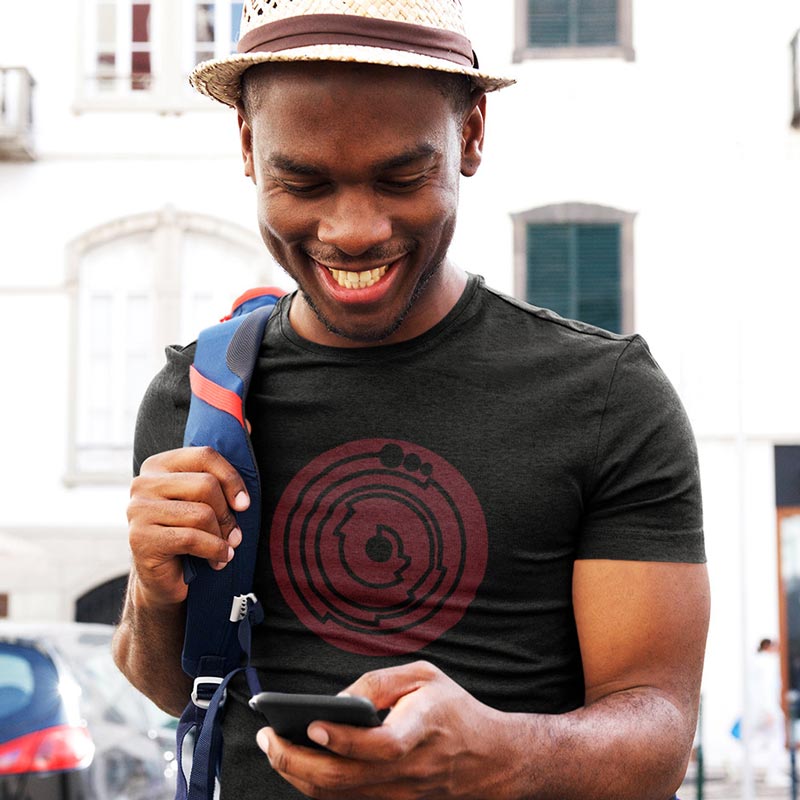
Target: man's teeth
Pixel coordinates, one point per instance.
(358, 280)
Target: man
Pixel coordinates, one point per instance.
(476, 514)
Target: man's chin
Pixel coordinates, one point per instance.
(364, 335)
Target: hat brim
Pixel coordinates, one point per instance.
(220, 78)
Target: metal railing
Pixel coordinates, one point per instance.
(16, 113)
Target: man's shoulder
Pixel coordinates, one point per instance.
(165, 406)
(549, 328)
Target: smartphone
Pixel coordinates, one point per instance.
(291, 714)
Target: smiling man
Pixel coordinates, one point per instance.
(360, 210)
(481, 516)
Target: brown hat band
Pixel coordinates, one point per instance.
(311, 29)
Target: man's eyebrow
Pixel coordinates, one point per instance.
(287, 164)
(404, 159)
(420, 152)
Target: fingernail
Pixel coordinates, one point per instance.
(218, 565)
(263, 740)
(241, 501)
(230, 554)
(235, 537)
(318, 735)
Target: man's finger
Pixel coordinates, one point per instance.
(179, 513)
(157, 543)
(386, 686)
(202, 459)
(190, 487)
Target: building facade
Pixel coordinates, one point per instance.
(642, 175)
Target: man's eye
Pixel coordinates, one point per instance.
(302, 188)
(406, 185)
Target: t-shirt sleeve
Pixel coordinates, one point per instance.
(644, 501)
(164, 408)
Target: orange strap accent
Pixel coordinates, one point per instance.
(215, 395)
(257, 291)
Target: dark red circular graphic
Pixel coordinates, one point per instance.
(379, 546)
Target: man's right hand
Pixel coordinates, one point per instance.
(182, 503)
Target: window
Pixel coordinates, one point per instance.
(573, 28)
(216, 30)
(795, 47)
(576, 260)
(139, 55)
(138, 285)
(787, 496)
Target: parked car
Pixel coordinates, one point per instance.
(71, 726)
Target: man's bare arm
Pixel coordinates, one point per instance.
(147, 649)
(181, 504)
(642, 630)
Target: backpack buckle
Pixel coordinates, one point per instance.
(240, 607)
(203, 690)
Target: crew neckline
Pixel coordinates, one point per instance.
(455, 316)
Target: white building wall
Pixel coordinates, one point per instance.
(692, 136)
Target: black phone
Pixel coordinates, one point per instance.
(290, 714)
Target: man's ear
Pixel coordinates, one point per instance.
(246, 139)
(472, 134)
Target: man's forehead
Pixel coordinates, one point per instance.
(263, 80)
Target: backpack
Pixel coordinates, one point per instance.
(221, 608)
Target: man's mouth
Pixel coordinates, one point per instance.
(357, 280)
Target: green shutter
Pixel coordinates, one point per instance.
(548, 23)
(596, 22)
(550, 276)
(574, 269)
(598, 267)
(571, 23)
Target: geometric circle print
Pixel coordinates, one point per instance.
(379, 546)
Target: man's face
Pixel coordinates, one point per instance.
(357, 171)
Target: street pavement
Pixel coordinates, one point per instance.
(726, 789)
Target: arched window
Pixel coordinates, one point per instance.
(577, 260)
(137, 285)
(103, 603)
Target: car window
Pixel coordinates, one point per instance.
(30, 695)
(16, 684)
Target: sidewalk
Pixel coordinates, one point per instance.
(730, 790)
(718, 787)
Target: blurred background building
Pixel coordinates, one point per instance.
(643, 175)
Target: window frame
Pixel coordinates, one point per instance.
(624, 49)
(794, 47)
(171, 22)
(167, 226)
(579, 214)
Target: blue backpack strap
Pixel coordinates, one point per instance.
(221, 607)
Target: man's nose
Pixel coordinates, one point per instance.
(355, 222)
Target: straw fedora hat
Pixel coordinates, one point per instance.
(426, 34)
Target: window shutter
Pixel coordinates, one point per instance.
(548, 23)
(596, 22)
(562, 23)
(574, 269)
(550, 276)
(598, 268)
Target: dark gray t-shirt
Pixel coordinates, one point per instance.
(428, 500)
